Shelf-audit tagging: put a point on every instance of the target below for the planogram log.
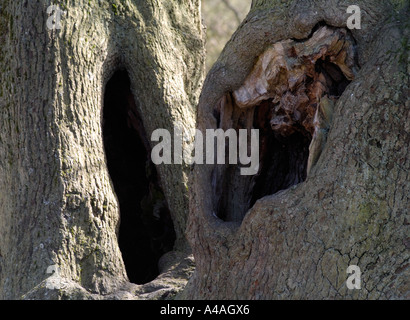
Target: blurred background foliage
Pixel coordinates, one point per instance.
(221, 18)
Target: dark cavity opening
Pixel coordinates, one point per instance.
(282, 164)
(283, 159)
(290, 96)
(146, 230)
(284, 141)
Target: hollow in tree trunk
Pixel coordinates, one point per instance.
(331, 105)
(83, 211)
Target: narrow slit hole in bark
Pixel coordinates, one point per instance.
(146, 230)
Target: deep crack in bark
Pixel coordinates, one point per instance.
(146, 229)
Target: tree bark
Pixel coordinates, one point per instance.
(353, 206)
(57, 203)
(58, 207)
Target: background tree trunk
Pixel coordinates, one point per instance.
(353, 207)
(57, 203)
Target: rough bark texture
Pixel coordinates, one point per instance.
(353, 207)
(57, 204)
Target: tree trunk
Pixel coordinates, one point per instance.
(68, 96)
(289, 232)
